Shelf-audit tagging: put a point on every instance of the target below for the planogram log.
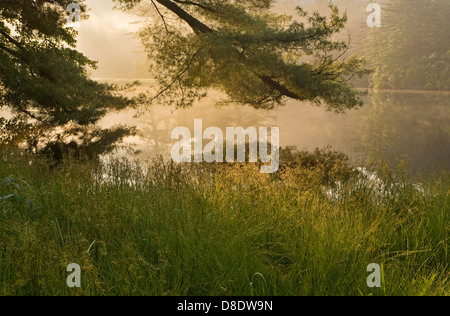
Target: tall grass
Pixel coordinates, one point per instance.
(223, 230)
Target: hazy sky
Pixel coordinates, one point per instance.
(107, 36)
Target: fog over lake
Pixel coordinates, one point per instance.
(392, 124)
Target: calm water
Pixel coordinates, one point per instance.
(396, 125)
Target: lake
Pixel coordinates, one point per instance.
(393, 124)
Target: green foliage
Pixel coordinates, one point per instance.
(410, 50)
(325, 165)
(251, 54)
(44, 80)
(14, 192)
(175, 230)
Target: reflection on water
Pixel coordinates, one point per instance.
(395, 124)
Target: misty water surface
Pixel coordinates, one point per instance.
(395, 125)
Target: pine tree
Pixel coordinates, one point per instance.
(247, 51)
(44, 82)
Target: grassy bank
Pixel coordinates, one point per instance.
(227, 230)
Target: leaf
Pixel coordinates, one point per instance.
(6, 197)
(7, 181)
(26, 184)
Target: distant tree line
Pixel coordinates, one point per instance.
(412, 48)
